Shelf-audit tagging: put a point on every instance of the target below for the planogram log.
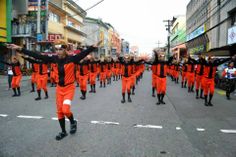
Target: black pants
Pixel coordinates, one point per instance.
(230, 86)
(9, 80)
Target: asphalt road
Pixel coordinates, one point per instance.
(183, 127)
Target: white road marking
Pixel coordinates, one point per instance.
(30, 117)
(228, 131)
(178, 128)
(148, 126)
(54, 118)
(104, 123)
(200, 129)
(3, 115)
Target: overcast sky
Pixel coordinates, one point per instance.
(138, 21)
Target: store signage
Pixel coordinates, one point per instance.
(52, 37)
(232, 35)
(199, 31)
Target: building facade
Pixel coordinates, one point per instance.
(97, 30)
(125, 47)
(211, 27)
(66, 20)
(178, 36)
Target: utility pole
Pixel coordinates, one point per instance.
(169, 24)
(38, 22)
(38, 17)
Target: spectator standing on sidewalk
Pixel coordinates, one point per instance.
(10, 75)
(230, 74)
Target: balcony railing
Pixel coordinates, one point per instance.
(20, 30)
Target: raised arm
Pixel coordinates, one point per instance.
(221, 61)
(82, 54)
(31, 60)
(45, 58)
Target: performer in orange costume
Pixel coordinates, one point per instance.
(184, 74)
(109, 69)
(102, 70)
(160, 66)
(65, 83)
(83, 69)
(210, 68)
(34, 75)
(190, 74)
(126, 77)
(199, 76)
(93, 67)
(17, 75)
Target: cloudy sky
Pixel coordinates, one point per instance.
(138, 21)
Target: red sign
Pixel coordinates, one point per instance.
(52, 37)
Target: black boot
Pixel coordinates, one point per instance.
(159, 99)
(210, 98)
(197, 93)
(227, 95)
(123, 98)
(91, 90)
(104, 84)
(52, 85)
(113, 78)
(77, 85)
(177, 80)
(62, 134)
(205, 97)
(192, 88)
(46, 95)
(182, 85)
(14, 92)
(185, 84)
(73, 124)
(201, 92)
(32, 85)
(162, 99)
(83, 95)
(100, 84)
(18, 90)
(94, 88)
(153, 91)
(39, 95)
(189, 90)
(133, 88)
(129, 98)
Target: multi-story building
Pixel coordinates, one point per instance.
(97, 30)
(211, 27)
(178, 36)
(66, 20)
(125, 47)
(114, 41)
(197, 40)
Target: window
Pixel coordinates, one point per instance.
(233, 19)
(69, 23)
(54, 17)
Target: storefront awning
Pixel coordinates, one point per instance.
(201, 40)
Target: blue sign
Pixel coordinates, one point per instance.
(39, 37)
(197, 32)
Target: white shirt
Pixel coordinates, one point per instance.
(9, 71)
(230, 73)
